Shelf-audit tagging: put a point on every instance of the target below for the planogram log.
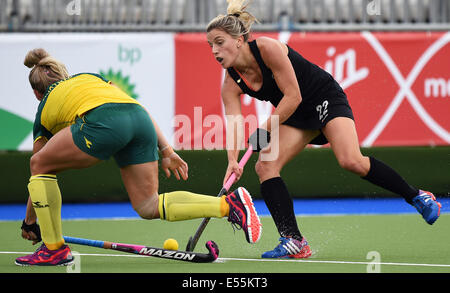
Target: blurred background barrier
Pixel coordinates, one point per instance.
(396, 83)
(193, 15)
(314, 173)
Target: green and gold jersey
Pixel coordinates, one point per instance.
(72, 97)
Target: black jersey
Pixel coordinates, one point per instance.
(312, 80)
(322, 97)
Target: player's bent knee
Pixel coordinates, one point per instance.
(353, 165)
(37, 165)
(148, 208)
(265, 169)
(260, 168)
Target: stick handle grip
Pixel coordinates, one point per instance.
(242, 163)
(81, 241)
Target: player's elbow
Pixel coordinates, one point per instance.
(296, 100)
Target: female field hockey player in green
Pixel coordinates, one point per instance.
(84, 119)
(311, 108)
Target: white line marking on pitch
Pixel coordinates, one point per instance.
(334, 262)
(225, 259)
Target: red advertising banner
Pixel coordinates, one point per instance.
(398, 85)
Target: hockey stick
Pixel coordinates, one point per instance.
(152, 251)
(194, 239)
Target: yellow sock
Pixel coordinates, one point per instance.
(184, 205)
(46, 198)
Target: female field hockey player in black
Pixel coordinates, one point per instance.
(311, 108)
(83, 119)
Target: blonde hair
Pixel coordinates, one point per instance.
(45, 69)
(237, 22)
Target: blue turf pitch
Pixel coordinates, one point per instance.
(10, 212)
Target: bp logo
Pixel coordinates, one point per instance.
(14, 129)
(122, 81)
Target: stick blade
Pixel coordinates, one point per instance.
(213, 249)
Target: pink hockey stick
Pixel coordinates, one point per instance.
(194, 239)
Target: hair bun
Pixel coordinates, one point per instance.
(34, 57)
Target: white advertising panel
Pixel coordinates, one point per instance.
(142, 64)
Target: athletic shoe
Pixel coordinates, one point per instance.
(46, 257)
(243, 214)
(289, 248)
(426, 204)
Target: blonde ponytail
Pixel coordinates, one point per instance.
(45, 69)
(237, 22)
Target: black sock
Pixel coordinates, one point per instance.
(384, 176)
(281, 207)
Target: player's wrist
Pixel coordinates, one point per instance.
(29, 221)
(166, 151)
(232, 159)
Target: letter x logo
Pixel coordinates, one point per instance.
(405, 91)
